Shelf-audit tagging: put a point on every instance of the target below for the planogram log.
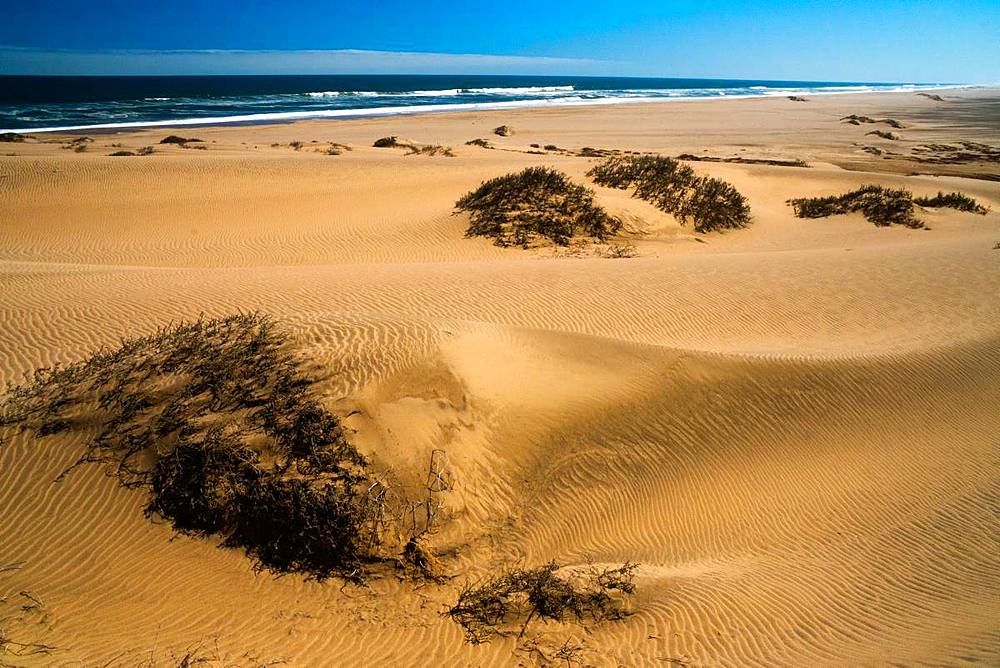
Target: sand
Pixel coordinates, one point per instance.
(793, 428)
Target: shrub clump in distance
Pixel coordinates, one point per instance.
(517, 596)
(534, 204)
(216, 419)
(174, 139)
(881, 206)
(956, 201)
(711, 204)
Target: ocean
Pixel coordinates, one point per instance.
(49, 103)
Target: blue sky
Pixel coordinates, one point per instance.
(856, 40)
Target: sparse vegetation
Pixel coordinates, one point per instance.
(430, 149)
(854, 119)
(11, 137)
(551, 147)
(690, 157)
(953, 200)
(620, 251)
(711, 204)
(78, 144)
(881, 206)
(482, 143)
(891, 136)
(517, 596)
(145, 150)
(797, 98)
(504, 131)
(533, 204)
(217, 420)
(957, 154)
(174, 139)
(413, 148)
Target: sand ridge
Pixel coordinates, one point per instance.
(792, 428)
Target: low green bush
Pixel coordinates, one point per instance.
(534, 204)
(710, 204)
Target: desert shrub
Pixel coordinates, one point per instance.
(293, 524)
(429, 149)
(711, 204)
(797, 98)
(413, 148)
(174, 139)
(216, 420)
(197, 484)
(957, 201)
(620, 251)
(482, 143)
(504, 131)
(11, 137)
(517, 596)
(535, 203)
(145, 150)
(881, 206)
(551, 147)
(854, 119)
(884, 135)
(743, 161)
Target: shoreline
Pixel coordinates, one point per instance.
(283, 118)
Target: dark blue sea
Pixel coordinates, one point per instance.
(79, 103)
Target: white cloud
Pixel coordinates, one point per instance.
(15, 60)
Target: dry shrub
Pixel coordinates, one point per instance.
(412, 148)
(620, 251)
(711, 204)
(517, 596)
(174, 139)
(535, 203)
(891, 136)
(216, 419)
(956, 201)
(503, 131)
(881, 206)
(11, 137)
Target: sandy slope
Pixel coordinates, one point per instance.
(793, 428)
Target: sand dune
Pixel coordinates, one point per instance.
(792, 428)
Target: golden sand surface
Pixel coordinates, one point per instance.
(793, 428)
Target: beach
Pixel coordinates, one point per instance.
(791, 428)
